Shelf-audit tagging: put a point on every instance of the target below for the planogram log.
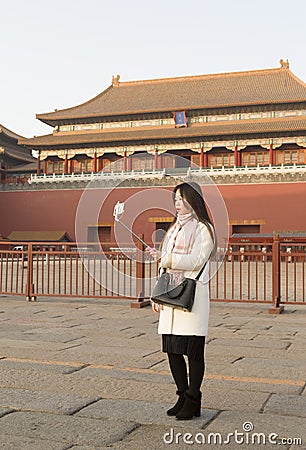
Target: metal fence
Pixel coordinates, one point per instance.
(64, 269)
(259, 272)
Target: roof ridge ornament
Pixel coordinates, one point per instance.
(115, 80)
(284, 64)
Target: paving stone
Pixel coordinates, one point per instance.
(38, 353)
(106, 386)
(11, 442)
(152, 437)
(23, 344)
(258, 352)
(236, 321)
(7, 365)
(284, 363)
(119, 359)
(222, 359)
(32, 336)
(111, 388)
(95, 374)
(4, 411)
(7, 328)
(141, 412)
(289, 405)
(30, 400)
(297, 348)
(82, 447)
(283, 426)
(65, 429)
(260, 371)
(160, 437)
(281, 330)
(250, 386)
(231, 399)
(27, 379)
(251, 343)
(70, 346)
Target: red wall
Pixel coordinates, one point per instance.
(281, 205)
(38, 211)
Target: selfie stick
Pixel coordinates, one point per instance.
(118, 211)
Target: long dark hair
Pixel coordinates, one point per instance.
(192, 197)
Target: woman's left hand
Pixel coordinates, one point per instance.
(156, 307)
(153, 252)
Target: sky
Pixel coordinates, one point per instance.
(62, 53)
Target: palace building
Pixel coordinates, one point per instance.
(16, 161)
(246, 130)
(255, 118)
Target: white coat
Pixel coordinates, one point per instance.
(194, 323)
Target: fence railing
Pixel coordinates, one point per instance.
(255, 272)
(63, 269)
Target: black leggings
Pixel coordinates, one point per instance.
(178, 369)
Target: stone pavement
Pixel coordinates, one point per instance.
(89, 374)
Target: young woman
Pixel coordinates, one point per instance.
(187, 246)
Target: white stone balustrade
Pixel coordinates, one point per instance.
(231, 171)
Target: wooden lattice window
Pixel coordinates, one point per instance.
(220, 160)
(255, 158)
(290, 157)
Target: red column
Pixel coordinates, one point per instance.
(236, 156)
(271, 154)
(71, 166)
(155, 165)
(125, 161)
(95, 162)
(205, 162)
(66, 164)
(202, 158)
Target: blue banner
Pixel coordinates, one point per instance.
(180, 119)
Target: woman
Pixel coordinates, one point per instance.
(187, 247)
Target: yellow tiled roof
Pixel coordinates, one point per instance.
(5, 131)
(38, 236)
(257, 87)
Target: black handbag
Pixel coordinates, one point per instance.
(180, 296)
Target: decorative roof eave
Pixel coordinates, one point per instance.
(210, 131)
(18, 155)
(66, 120)
(9, 134)
(193, 146)
(30, 167)
(47, 117)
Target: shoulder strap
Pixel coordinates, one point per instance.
(201, 271)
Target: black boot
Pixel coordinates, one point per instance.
(179, 404)
(191, 407)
